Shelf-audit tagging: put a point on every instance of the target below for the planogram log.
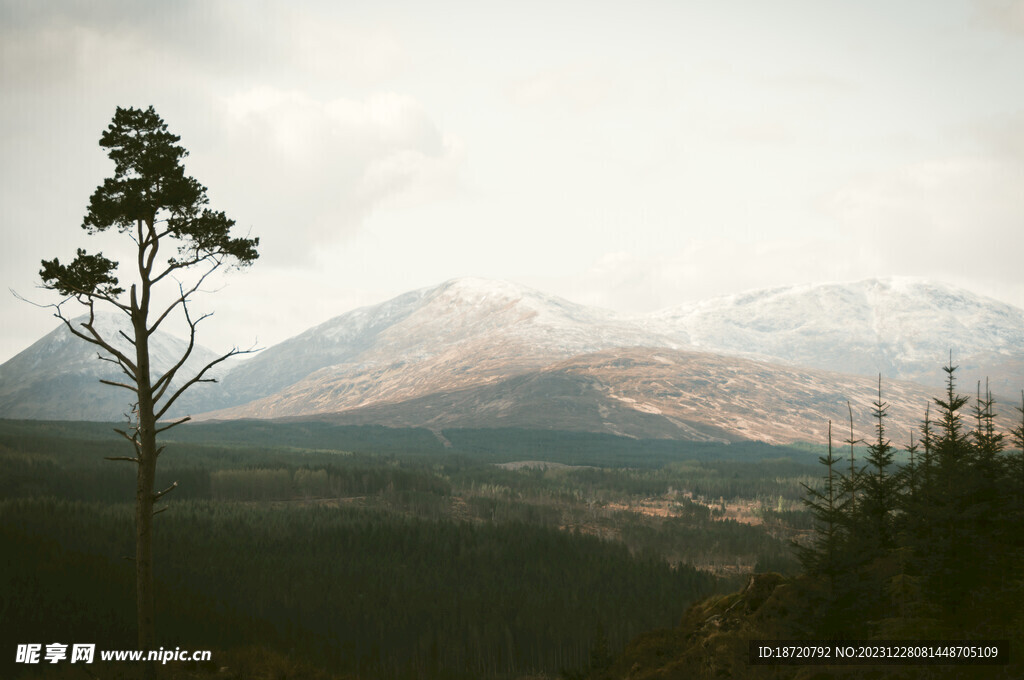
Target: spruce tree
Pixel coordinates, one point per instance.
(827, 506)
(878, 498)
(988, 441)
(943, 548)
(1016, 462)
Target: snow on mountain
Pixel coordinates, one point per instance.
(465, 331)
(900, 327)
(58, 376)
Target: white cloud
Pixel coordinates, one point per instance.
(319, 168)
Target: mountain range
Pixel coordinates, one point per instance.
(772, 365)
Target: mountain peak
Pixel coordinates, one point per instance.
(474, 284)
(902, 327)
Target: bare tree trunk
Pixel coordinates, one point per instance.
(144, 554)
(144, 487)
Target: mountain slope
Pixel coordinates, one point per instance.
(461, 333)
(662, 393)
(900, 327)
(58, 376)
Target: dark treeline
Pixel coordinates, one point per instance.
(491, 445)
(601, 450)
(930, 548)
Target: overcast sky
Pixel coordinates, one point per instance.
(628, 155)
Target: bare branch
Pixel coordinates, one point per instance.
(160, 494)
(183, 297)
(77, 296)
(117, 362)
(174, 424)
(215, 257)
(124, 458)
(199, 377)
(117, 384)
(157, 512)
(125, 435)
(162, 383)
(94, 337)
(133, 437)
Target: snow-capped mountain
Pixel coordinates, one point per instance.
(57, 377)
(476, 353)
(463, 332)
(903, 328)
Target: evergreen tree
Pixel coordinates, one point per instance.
(874, 512)
(910, 475)
(851, 482)
(1016, 462)
(988, 441)
(828, 507)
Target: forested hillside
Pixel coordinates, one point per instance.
(471, 561)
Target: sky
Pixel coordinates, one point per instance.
(633, 156)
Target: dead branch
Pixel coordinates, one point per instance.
(199, 378)
(117, 384)
(174, 424)
(161, 385)
(160, 494)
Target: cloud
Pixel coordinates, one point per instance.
(286, 112)
(55, 43)
(320, 167)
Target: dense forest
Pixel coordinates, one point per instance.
(377, 553)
